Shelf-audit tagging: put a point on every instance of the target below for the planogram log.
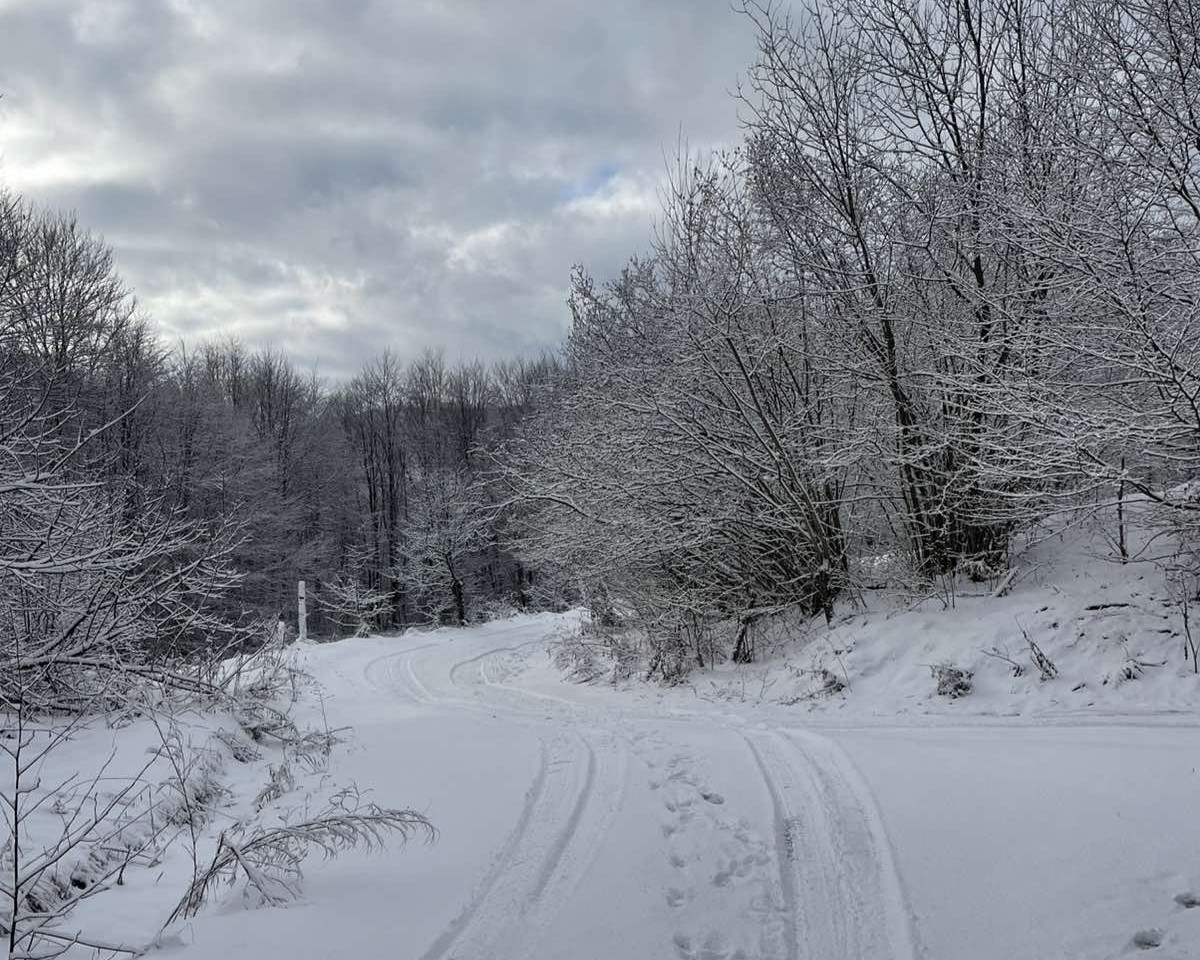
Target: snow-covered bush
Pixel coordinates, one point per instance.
(589, 650)
(575, 654)
(353, 606)
(819, 680)
(951, 681)
(269, 860)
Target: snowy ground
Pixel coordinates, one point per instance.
(589, 823)
(748, 813)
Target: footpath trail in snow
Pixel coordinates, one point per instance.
(586, 825)
(781, 861)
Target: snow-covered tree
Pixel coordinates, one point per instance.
(352, 604)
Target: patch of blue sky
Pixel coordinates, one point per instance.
(595, 180)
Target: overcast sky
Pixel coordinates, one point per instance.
(341, 176)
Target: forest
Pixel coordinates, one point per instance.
(944, 289)
(939, 305)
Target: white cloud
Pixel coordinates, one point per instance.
(340, 176)
(620, 197)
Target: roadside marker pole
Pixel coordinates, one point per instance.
(302, 618)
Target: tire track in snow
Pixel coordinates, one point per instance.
(508, 853)
(414, 691)
(570, 827)
(479, 661)
(852, 798)
(837, 873)
(841, 896)
(836, 890)
(575, 849)
(408, 682)
(491, 692)
(783, 851)
(563, 821)
(399, 670)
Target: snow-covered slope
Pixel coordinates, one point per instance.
(580, 823)
(1112, 635)
(752, 812)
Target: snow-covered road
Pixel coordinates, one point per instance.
(586, 824)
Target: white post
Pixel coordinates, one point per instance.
(302, 618)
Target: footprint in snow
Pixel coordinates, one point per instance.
(713, 947)
(716, 947)
(676, 897)
(712, 796)
(1188, 899)
(735, 869)
(747, 864)
(1149, 938)
(676, 802)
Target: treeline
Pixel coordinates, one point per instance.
(372, 491)
(947, 286)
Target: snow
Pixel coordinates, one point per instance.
(732, 817)
(996, 840)
(1032, 842)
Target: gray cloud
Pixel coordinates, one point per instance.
(339, 177)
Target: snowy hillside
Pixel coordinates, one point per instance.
(814, 576)
(757, 811)
(1026, 819)
(1110, 637)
